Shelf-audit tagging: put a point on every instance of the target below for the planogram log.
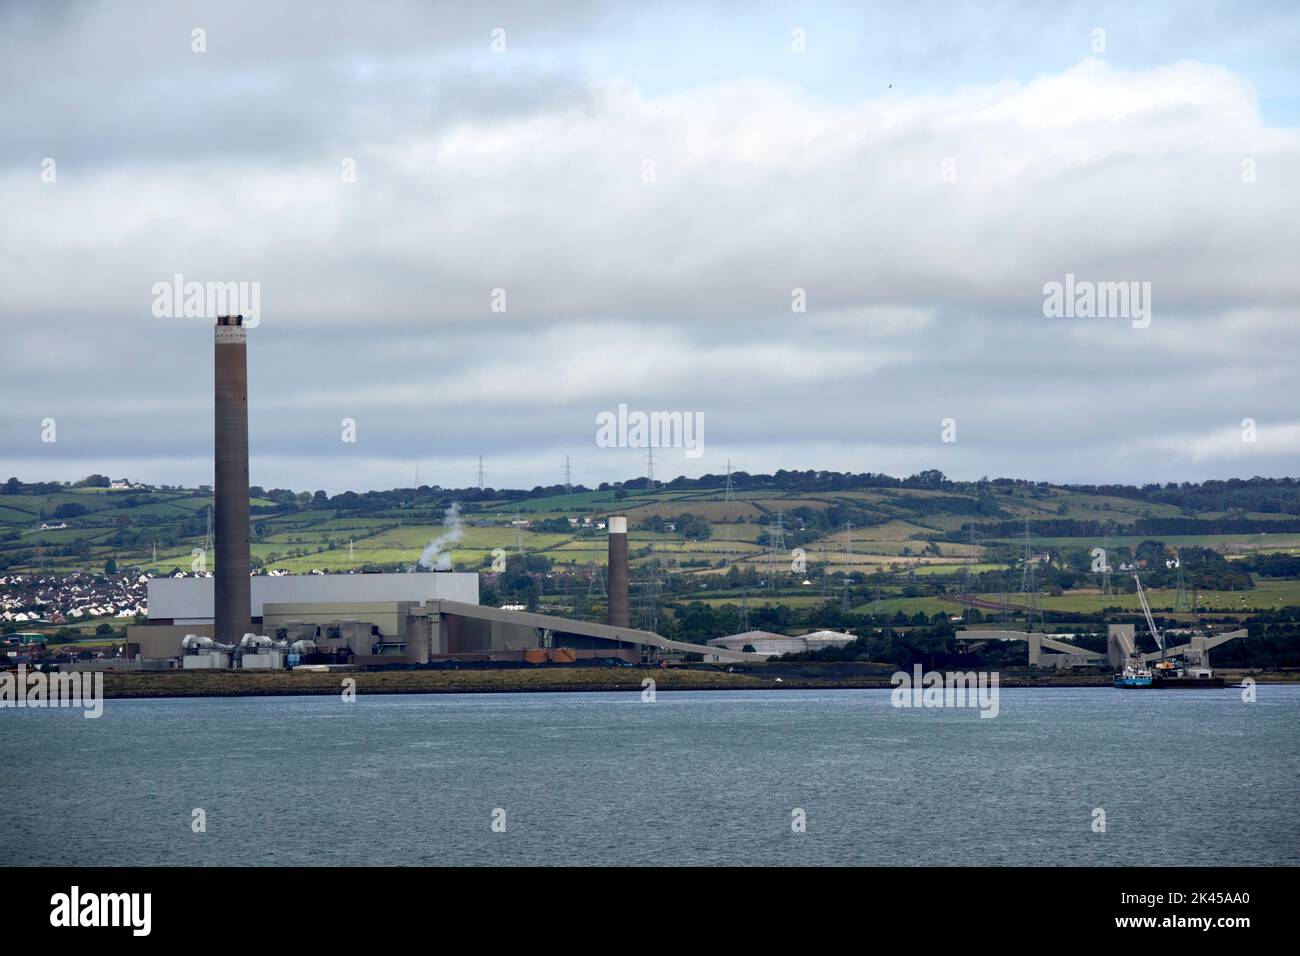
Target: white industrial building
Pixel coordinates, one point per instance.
(816, 640)
(768, 644)
(185, 601)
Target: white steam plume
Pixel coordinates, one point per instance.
(437, 554)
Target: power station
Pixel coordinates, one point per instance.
(418, 618)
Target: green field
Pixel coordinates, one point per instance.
(895, 538)
(1267, 595)
(1226, 543)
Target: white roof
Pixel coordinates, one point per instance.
(192, 598)
(748, 637)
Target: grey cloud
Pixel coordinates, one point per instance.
(924, 297)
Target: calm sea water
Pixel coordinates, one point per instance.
(694, 778)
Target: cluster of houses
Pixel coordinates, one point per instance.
(62, 599)
(70, 598)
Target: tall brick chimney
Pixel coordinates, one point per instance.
(618, 612)
(232, 606)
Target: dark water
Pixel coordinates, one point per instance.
(1197, 777)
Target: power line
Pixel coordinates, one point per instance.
(1029, 587)
(778, 548)
(518, 524)
(848, 559)
(652, 590)
(1107, 589)
(1181, 602)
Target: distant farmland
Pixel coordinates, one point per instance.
(906, 549)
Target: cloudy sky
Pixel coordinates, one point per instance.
(649, 183)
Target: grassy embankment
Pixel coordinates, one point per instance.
(530, 680)
(237, 684)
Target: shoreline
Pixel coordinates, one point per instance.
(120, 685)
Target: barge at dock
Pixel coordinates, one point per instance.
(1191, 670)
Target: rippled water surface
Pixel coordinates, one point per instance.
(1195, 777)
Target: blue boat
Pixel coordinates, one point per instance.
(1134, 675)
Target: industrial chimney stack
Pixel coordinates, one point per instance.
(618, 614)
(232, 607)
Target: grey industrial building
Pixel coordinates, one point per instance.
(1057, 652)
(417, 632)
(382, 619)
